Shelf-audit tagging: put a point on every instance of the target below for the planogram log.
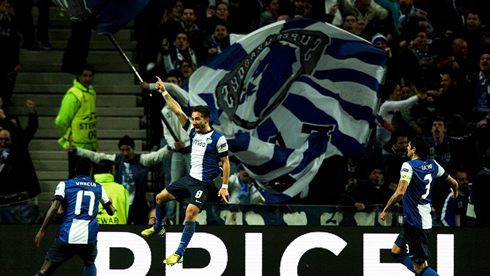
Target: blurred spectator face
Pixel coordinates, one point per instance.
(406, 5)
(299, 6)
(438, 129)
(127, 153)
(446, 82)
(462, 179)
(363, 5)
(222, 11)
(181, 42)
(460, 48)
(244, 176)
(473, 22)
(401, 143)
(380, 44)
(485, 64)
(220, 32)
(177, 9)
(376, 177)
(187, 69)
(5, 139)
(421, 40)
(448, 63)
(273, 7)
(406, 92)
(86, 78)
(188, 16)
(174, 80)
(396, 94)
(350, 24)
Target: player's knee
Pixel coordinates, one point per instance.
(420, 267)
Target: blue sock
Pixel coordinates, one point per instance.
(405, 260)
(90, 270)
(160, 214)
(189, 229)
(428, 272)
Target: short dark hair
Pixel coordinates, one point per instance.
(203, 110)
(105, 166)
(422, 146)
(84, 167)
(399, 132)
(86, 67)
(126, 140)
(176, 73)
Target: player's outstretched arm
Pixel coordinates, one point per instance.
(53, 210)
(395, 198)
(172, 104)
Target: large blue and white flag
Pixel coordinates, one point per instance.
(110, 15)
(289, 95)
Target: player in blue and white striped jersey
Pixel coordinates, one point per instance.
(80, 199)
(208, 148)
(415, 186)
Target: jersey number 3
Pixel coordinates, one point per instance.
(427, 177)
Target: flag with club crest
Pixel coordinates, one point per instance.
(289, 95)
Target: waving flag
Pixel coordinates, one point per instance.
(289, 95)
(110, 15)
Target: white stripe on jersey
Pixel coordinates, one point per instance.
(424, 211)
(78, 232)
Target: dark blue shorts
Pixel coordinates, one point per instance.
(414, 240)
(60, 252)
(190, 187)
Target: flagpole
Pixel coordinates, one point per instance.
(139, 78)
(124, 56)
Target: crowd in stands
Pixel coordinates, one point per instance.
(436, 84)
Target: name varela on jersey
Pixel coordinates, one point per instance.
(91, 184)
(426, 167)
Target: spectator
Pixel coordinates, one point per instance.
(131, 172)
(215, 43)
(13, 123)
(402, 12)
(222, 16)
(9, 52)
(188, 26)
(454, 210)
(448, 151)
(473, 30)
(170, 24)
(270, 12)
(26, 24)
(77, 117)
(76, 52)
(408, 61)
(481, 102)
(242, 188)
(370, 18)
(367, 192)
(174, 53)
(394, 154)
(116, 192)
(19, 180)
(388, 108)
(79, 229)
(350, 24)
(187, 67)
